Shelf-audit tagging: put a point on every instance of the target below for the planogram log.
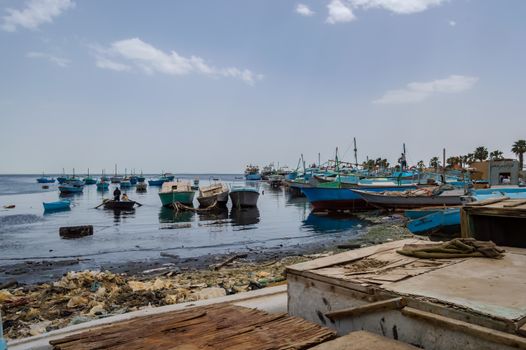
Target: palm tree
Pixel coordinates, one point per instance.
(420, 165)
(481, 153)
(434, 163)
(519, 148)
(452, 161)
(496, 155)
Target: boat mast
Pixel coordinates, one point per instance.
(355, 154)
(115, 169)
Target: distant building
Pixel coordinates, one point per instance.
(498, 172)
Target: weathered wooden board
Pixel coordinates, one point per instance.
(221, 326)
(363, 340)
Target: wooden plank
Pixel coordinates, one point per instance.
(465, 227)
(221, 326)
(349, 256)
(382, 305)
(487, 202)
(513, 204)
(488, 334)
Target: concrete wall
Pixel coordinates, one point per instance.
(492, 169)
(311, 299)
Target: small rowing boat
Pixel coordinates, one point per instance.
(215, 193)
(56, 206)
(119, 205)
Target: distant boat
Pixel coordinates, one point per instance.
(140, 179)
(88, 180)
(103, 185)
(134, 180)
(141, 187)
(215, 193)
(195, 185)
(252, 173)
(176, 192)
(45, 180)
(156, 182)
(61, 179)
(125, 183)
(56, 206)
(168, 176)
(115, 179)
(244, 196)
(71, 187)
(275, 180)
(443, 220)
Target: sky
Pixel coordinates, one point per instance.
(210, 86)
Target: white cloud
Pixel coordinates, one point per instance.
(304, 10)
(420, 91)
(397, 6)
(134, 53)
(339, 12)
(452, 23)
(60, 61)
(35, 13)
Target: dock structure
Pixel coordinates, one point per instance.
(463, 303)
(501, 220)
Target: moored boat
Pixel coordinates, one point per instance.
(410, 199)
(252, 173)
(141, 187)
(103, 185)
(156, 182)
(45, 180)
(244, 196)
(334, 198)
(195, 185)
(56, 206)
(125, 183)
(176, 192)
(71, 186)
(444, 220)
(215, 193)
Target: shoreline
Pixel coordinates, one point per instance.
(78, 297)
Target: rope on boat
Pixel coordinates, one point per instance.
(178, 206)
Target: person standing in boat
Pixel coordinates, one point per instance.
(117, 194)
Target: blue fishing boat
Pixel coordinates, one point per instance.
(125, 183)
(140, 179)
(71, 186)
(45, 180)
(444, 220)
(333, 198)
(252, 173)
(61, 179)
(56, 206)
(134, 180)
(103, 185)
(156, 182)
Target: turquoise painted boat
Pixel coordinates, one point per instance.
(445, 220)
(125, 183)
(56, 206)
(156, 182)
(103, 185)
(176, 192)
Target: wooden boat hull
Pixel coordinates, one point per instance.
(220, 198)
(119, 205)
(244, 198)
(141, 187)
(56, 206)
(169, 198)
(407, 202)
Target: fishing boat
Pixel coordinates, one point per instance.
(176, 192)
(88, 180)
(125, 183)
(61, 179)
(168, 176)
(195, 185)
(334, 198)
(140, 178)
(141, 187)
(119, 205)
(421, 197)
(445, 220)
(115, 179)
(56, 206)
(275, 180)
(71, 186)
(156, 182)
(252, 173)
(244, 196)
(133, 180)
(215, 193)
(45, 180)
(103, 185)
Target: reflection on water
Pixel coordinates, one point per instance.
(215, 214)
(328, 223)
(121, 215)
(168, 215)
(244, 216)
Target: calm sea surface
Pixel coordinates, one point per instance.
(26, 233)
